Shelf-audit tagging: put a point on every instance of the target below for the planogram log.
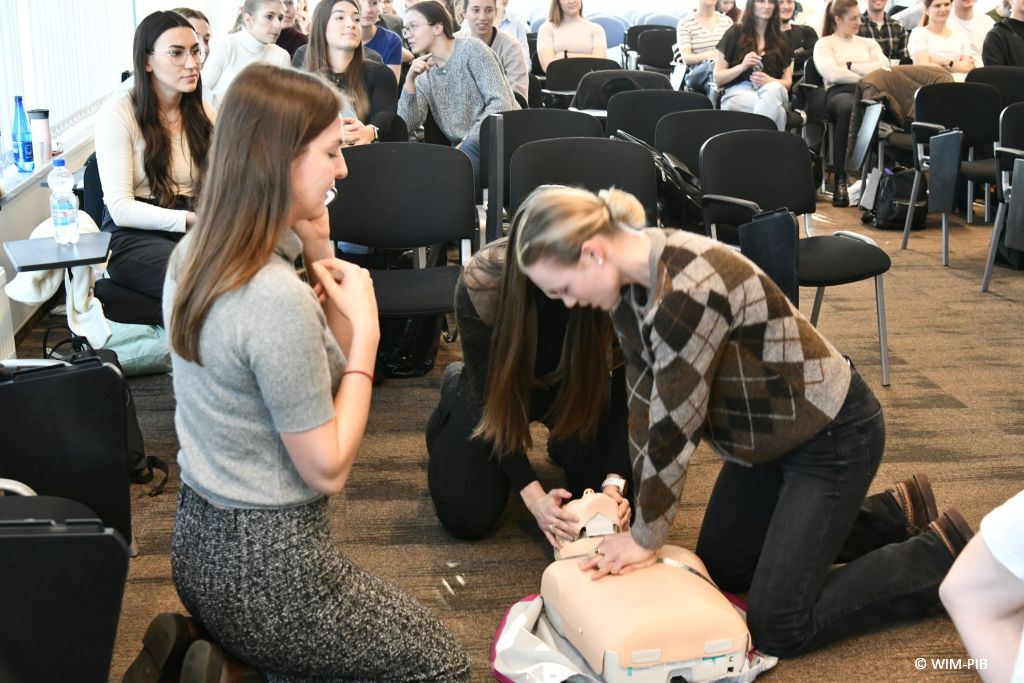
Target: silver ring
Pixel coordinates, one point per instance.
(551, 527)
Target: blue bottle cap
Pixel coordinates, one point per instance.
(58, 162)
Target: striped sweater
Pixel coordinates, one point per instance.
(715, 350)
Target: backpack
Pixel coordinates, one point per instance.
(893, 199)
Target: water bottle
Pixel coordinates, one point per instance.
(21, 136)
(63, 203)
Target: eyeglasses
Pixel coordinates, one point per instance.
(409, 28)
(178, 57)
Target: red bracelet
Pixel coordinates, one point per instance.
(358, 372)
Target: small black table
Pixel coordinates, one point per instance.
(45, 254)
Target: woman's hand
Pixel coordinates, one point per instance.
(313, 231)
(558, 525)
(349, 289)
(759, 78)
(190, 219)
(354, 132)
(623, 506)
(618, 554)
(418, 66)
(750, 60)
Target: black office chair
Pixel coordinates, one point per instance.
(596, 88)
(120, 304)
(434, 207)
(1009, 151)
(654, 50)
(592, 163)
(632, 45)
(1008, 80)
(563, 75)
(638, 112)
(777, 172)
(516, 129)
(62, 579)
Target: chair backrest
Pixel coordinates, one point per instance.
(974, 108)
(597, 87)
(770, 168)
(428, 197)
(565, 74)
(865, 136)
(684, 133)
(1011, 126)
(772, 242)
(592, 163)
(1008, 80)
(614, 28)
(669, 20)
(61, 587)
(638, 112)
(537, 23)
(633, 33)
(655, 47)
(530, 125)
(92, 190)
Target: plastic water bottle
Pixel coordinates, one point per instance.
(63, 203)
(21, 136)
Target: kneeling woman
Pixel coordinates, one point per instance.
(714, 350)
(518, 367)
(272, 381)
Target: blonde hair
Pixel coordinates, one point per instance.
(555, 221)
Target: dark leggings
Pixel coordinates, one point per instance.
(841, 100)
(465, 477)
(139, 259)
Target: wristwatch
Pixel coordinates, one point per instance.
(617, 482)
(951, 65)
(376, 133)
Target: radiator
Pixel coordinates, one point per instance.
(6, 326)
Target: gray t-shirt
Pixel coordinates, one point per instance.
(270, 366)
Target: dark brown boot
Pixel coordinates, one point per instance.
(164, 644)
(915, 498)
(953, 530)
(207, 662)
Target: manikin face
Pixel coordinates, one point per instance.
(480, 16)
(175, 62)
(589, 282)
(342, 31)
(314, 172)
(265, 25)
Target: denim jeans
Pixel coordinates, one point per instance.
(771, 100)
(776, 529)
(470, 146)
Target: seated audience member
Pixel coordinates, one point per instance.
(478, 23)
(151, 148)
(516, 370)
(843, 58)
(984, 594)
(791, 499)
(290, 38)
(729, 9)
(935, 44)
(515, 26)
(389, 18)
(884, 30)
(335, 50)
(1004, 44)
(272, 380)
(801, 38)
(459, 80)
(260, 22)
(200, 23)
(755, 65)
(388, 44)
(567, 34)
(697, 38)
(975, 25)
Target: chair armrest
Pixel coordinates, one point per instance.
(1005, 156)
(16, 487)
(920, 133)
(856, 236)
(734, 202)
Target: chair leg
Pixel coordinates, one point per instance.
(818, 296)
(945, 238)
(883, 333)
(997, 230)
(988, 204)
(970, 202)
(914, 189)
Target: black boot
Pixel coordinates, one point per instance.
(840, 195)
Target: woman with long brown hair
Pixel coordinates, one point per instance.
(335, 50)
(518, 368)
(151, 148)
(272, 380)
(755, 64)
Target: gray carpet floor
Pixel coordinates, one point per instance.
(953, 409)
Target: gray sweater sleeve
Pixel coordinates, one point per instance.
(413, 108)
(493, 87)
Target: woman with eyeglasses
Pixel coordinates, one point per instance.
(755, 64)
(336, 50)
(151, 148)
(255, 41)
(567, 34)
(459, 80)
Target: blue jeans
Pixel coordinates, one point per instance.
(470, 146)
(776, 529)
(771, 100)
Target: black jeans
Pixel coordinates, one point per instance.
(841, 100)
(776, 529)
(464, 475)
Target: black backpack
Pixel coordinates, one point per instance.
(893, 199)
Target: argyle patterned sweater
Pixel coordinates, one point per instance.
(715, 350)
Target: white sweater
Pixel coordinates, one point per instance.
(119, 152)
(232, 53)
(832, 54)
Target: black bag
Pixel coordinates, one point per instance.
(893, 199)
